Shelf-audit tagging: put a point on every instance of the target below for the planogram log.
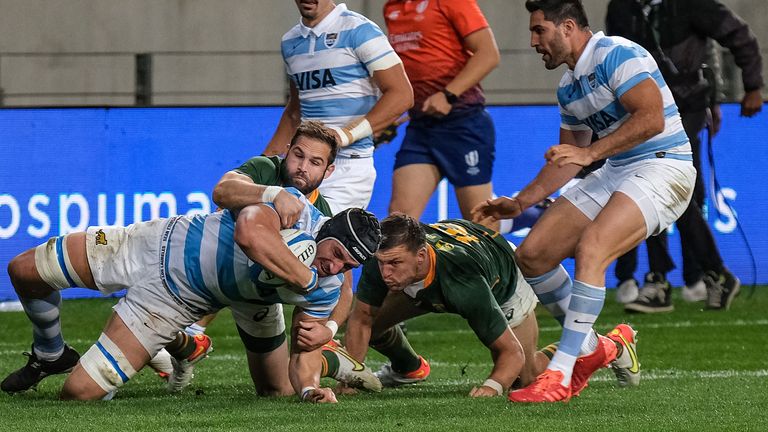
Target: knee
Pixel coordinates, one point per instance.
(533, 260)
(589, 250)
(19, 269)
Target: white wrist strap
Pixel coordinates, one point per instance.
(333, 325)
(270, 193)
(353, 132)
(305, 392)
(494, 385)
(359, 130)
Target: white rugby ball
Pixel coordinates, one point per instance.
(303, 247)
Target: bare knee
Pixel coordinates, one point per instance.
(24, 276)
(533, 260)
(80, 386)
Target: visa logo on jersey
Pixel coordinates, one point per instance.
(315, 79)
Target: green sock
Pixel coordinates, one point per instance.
(330, 364)
(550, 350)
(181, 347)
(393, 344)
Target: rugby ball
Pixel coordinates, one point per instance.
(301, 244)
(303, 247)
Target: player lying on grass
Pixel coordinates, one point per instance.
(461, 267)
(176, 271)
(309, 160)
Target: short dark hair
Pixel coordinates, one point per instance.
(399, 229)
(317, 130)
(558, 11)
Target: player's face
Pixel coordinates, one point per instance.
(399, 267)
(332, 258)
(548, 40)
(313, 11)
(306, 164)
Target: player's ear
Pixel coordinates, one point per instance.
(329, 171)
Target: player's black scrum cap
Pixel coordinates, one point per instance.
(356, 229)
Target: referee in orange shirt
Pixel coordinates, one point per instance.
(446, 47)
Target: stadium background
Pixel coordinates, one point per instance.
(200, 55)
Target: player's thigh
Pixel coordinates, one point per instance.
(396, 308)
(412, 187)
(619, 227)
(470, 196)
(552, 239)
(108, 364)
(269, 371)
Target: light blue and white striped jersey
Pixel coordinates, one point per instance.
(332, 65)
(205, 269)
(589, 96)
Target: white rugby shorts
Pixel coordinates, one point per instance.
(661, 188)
(350, 184)
(129, 258)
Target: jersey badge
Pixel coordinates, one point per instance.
(331, 39)
(101, 238)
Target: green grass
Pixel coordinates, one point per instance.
(701, 371)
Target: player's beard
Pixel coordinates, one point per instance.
(555, 53)
(302, 182)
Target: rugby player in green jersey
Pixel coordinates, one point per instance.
(453, 266)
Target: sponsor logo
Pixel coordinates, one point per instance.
(331, 39)
(583, 322)
(315, 79)
(101, 238)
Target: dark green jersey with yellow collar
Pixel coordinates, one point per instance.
(473, 271)
(268, 171)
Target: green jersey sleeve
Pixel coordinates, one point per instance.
(263, 170)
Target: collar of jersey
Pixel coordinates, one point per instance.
(323, 25)
(584, 59)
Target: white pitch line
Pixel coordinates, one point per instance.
(677, 324)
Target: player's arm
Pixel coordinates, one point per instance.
(257, 232)
(508, 360)
(485, 58)
(313, 334)
(235, 191)
(289, 122)
(304, 366)
(551, 177)
(645, 106)
(358, 333)
(474, 301)
(396, 98)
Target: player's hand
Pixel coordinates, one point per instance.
(312, 335)
(436, 105)
(496, 209)
(320, 395)
(390, 132)
(288, 208)
(482, 391)
(752, 103)
(564, 154)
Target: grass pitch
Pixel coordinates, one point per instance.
(701, 371)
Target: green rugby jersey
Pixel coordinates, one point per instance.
(267, 170)
(473, 272)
